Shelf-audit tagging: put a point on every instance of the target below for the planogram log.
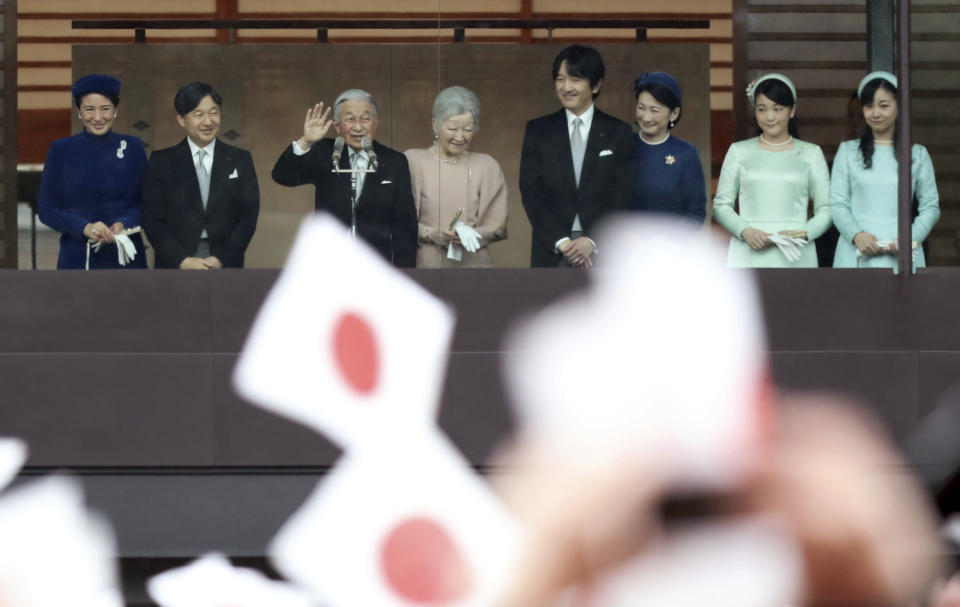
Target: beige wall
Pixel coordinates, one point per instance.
(266, 89)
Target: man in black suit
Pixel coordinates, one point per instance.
(200, 197)
(576, 164)
(384, 215)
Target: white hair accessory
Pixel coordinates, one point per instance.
(752, 87)
(879, 74)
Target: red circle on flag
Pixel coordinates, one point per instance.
(355, 350)
(422, 564)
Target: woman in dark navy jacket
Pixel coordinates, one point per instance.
(668, 176)
(90, 191)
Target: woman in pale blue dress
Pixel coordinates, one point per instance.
(864, 189)
(772, 178)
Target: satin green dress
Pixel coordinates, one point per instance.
(773, 191)
(866, 200)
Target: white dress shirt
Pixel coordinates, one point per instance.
(298, 151)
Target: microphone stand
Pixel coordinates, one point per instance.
(353, 193)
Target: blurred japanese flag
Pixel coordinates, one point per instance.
(52, 551)
(13, 452)
(344, 343)
(759, 565)
(664, 353)
(409, 523)
(212, 581)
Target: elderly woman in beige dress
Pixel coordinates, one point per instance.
(461, 196)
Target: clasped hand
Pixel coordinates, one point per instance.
(866, 243)
(99, 231)
(444, 237)
(578, 252)
(759, 240)
(198, 263)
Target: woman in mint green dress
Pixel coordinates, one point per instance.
(773, 178)
(864, 190)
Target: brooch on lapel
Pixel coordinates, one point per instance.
(670, 159)
(123, 146)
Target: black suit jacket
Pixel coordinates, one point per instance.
(386, 215)
(548, 185)
(173, 214)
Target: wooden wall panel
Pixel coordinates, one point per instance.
(380, 6)
(265, 102)
(44, 126)
(935, 30)
(127, 6)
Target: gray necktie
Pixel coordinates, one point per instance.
(358, 162)
(577, 147)
(203, 177)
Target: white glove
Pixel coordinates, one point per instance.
(790, 246)
(469, 238)
(126, 250)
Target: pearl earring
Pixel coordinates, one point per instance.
(672, 124)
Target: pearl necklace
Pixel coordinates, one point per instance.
(883, 141)
(442, 158)
(762, 140)
(657, 143)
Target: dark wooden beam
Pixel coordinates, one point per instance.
(904, 143)
(740, 76)
(504, 23)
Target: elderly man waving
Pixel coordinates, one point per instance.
(369, 191)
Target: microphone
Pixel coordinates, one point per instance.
(371, 155)
(337, 151)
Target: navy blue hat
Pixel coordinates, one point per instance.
(663, 79)
(96, 83)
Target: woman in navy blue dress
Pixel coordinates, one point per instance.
(90, 189)
(668, 176)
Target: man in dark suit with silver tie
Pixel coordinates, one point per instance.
(200, 197)
(575, 166)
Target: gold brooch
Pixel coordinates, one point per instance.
(670, 159)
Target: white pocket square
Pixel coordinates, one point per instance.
(385, 182)
(606, 153)
(234, 174)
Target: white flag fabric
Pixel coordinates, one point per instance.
(13, 452)
(663, 353)
(410, 524)
(52, 551)
(750, 562)
(212, 581)
(344, 343)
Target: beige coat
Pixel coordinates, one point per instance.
(476, 185)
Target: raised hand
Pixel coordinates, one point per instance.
(316, 124)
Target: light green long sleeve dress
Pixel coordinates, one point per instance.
(773, 191)
(865, 200)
